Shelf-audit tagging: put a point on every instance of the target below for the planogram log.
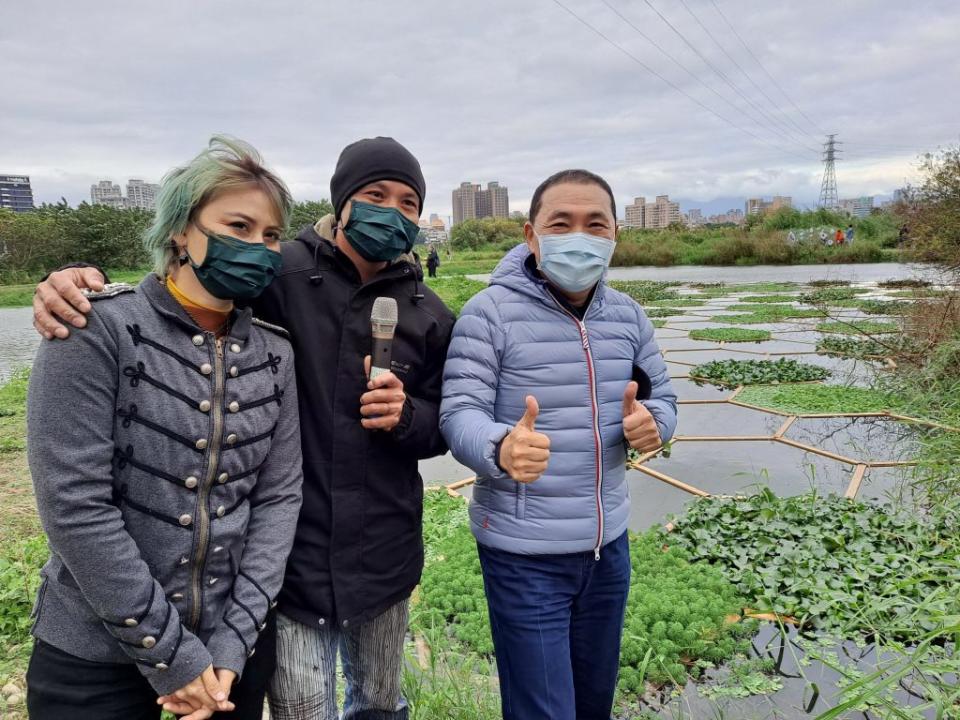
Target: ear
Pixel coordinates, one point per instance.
(345, 214)
(530, 236)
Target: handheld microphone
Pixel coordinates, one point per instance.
(383, 323)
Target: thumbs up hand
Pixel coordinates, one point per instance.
(639, 427)
(524, 452)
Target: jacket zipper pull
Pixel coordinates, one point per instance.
(596, 554)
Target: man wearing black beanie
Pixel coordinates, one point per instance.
(358, 551)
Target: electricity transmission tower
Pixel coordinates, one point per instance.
(828, 187)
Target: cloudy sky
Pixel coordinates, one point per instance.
(507, 90)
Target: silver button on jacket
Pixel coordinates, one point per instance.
(135, 425)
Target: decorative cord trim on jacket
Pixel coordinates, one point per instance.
(138, 338)
(133, 415)
(138, 373)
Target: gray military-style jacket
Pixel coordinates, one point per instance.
(167, 470)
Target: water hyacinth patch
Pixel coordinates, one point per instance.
(847, 346)
(814, 399)
(828, 295)
(839, 564)
(860, 327)
(728, 334)
(644, 291)
(731, 373)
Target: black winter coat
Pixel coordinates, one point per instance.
(358, 547)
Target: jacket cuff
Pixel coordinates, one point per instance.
(495, 438)
(406, 420)
(228, 651)
(191, 660)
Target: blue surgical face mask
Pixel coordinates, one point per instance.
(575, 261)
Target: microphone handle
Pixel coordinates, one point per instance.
(380, 355)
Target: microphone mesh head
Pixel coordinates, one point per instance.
(384, 311)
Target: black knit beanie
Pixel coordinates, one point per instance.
(372, 159)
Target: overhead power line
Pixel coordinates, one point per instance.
(673, 85)
(739, 67)
(723, 76)
(764, 68)
(683, 67)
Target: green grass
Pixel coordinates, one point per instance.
(455, 291)
(22, 295)
(16, 295)
(729, 334)
(858, 327)
(674, 302)
(814, 399)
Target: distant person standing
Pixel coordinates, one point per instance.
(824, 238)
(433, 261)
(838, 237)
(791, 238)
(850, 234)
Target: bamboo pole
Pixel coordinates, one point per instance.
(673, 481)
(854, 487)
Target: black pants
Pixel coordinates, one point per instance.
(62, 686)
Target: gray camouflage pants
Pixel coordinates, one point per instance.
(304, 686)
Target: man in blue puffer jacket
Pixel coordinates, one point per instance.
(549, 376)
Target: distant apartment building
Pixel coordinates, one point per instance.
(470, 201)
(857, 207)
(755, 206)
(660, 213)
(694, 217)
(16, 193)
(107, 193)
(142, 194)
(732, 215)
(633, 214)
(434, 230)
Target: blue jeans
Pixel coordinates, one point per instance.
(556, 622)
(304, 686)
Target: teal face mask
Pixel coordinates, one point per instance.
(234, 269)
(379, 234)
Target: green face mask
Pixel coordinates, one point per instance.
(379, 234)
(234, 269)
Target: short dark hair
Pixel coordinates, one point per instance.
(582, 177)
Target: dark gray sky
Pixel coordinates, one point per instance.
(507, 90)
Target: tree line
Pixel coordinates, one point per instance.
(33, 243)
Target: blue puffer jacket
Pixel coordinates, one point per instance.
(514, 339)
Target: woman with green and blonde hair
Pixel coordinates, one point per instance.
(168, 469)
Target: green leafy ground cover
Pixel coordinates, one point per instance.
(677, 612)
(731, 373)
(844, 566)
(858, 327)
(814, 399)
(769, 314)
(829, 295)
(662, 312)
(728, 334)
(848, 346)
(645, 291)
(675, 302)
(764, 299)
(875, 307)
